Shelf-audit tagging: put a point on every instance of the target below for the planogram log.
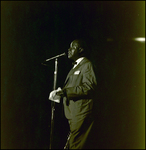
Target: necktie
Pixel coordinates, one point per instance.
(73, 63)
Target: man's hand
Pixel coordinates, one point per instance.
(54, 97)
(59, 92)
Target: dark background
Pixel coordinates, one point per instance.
(34, 31)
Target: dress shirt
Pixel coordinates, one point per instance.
(78, 61)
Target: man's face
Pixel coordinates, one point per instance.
(73, 51)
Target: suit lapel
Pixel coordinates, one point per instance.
(73, 70)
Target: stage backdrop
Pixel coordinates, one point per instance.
(33, 31)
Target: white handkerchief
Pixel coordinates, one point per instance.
(77, 72)
(54, 97)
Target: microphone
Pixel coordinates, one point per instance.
(56, 56)
(52, 58)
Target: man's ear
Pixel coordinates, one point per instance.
(81, 50)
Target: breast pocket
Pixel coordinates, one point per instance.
(76, 79)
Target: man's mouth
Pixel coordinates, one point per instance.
(69, 54)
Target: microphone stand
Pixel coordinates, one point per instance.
(52, 102)
(53, 105)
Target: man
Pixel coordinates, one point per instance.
(78, 96)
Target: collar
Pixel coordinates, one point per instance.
(78, 61)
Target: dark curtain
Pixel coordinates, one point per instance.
(32, 31)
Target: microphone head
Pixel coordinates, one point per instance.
(64, 53)
(56, 56)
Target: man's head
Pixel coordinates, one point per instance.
(77, 49)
